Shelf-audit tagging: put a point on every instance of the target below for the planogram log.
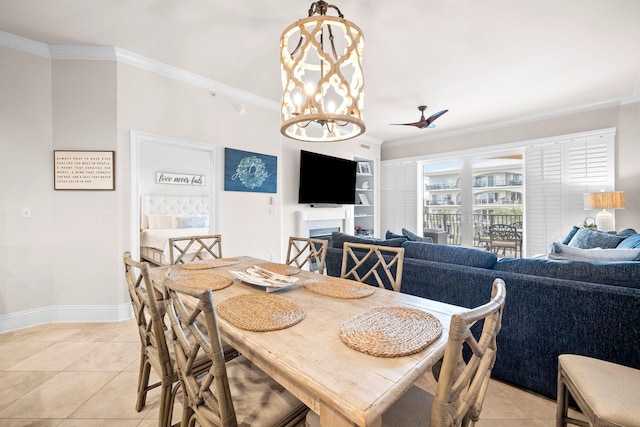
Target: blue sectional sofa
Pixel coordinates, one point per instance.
(552, 306)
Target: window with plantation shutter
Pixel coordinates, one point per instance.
(557, 175)
(557, 172)
(399, 195)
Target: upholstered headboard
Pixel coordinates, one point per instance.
(172, 205)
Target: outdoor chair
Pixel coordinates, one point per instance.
(504, 236)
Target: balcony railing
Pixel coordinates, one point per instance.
(451, 223)
(442, 186)
(498, 183)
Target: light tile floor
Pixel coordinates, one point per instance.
(80, 375)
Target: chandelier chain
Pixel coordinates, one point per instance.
(320, 7)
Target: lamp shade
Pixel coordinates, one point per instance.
(322, 79)
(604, 200)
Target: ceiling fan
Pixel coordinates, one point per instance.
(424, 123)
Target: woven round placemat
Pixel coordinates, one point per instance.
(202, 280)
(260, 312)
(210, 263)
(390, 331)
(338, 288)
(284, 269)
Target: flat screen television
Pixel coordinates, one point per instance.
(326, 179)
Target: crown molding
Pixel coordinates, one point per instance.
(108, 53)
(20, 43)
(82, 52)
(148, 64)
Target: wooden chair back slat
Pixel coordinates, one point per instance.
(386, 258)
(184, 250)
(462, 385)
(308, 252)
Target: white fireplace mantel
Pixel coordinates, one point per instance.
(309, 219)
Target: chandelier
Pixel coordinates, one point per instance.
(322, 79)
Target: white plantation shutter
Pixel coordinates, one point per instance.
(556, 177)
(399, 197)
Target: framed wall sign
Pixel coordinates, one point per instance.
(179, 178)
(247, 171)
(84, 170)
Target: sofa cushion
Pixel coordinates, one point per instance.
(566, 252)
(414, 237)
(586, 238)
(449, 254)
(624, 273)
(337, 239)
(630, 242)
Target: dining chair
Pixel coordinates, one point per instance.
(307, 251)
(360, 261)
(505, 236)
(148, 309)
(462, 381)
(607, 394)
(184, 250)
(230, 393)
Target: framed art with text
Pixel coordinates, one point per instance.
(84, 170)
(252, 172)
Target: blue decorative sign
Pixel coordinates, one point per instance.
(247, 171)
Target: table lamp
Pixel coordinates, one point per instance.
(604, 200)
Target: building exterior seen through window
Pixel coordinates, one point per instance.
(491, 194)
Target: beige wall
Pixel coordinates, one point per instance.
(64, 264)
(26, 245)
(625, 118)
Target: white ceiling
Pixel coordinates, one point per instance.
(489, 62)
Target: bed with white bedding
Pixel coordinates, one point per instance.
(164, 217)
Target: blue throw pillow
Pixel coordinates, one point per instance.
(627, 232)
(586, 238)
(630, 242)
(572, 233)
(414, 237)
(392, 235)
(338, 238)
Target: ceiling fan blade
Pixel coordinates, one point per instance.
(423, 123)
(433, 117)
(416, 124)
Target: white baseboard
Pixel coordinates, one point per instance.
(64, 314)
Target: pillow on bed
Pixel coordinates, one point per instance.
(190, 221)
(159, 221)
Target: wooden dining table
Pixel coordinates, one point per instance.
(346, 387)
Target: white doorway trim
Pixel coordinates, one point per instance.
(139, 138)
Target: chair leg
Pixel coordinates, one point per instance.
(562, 408)
(167, 396)
(563, 401)
(143, 380)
